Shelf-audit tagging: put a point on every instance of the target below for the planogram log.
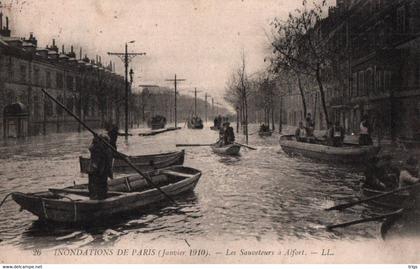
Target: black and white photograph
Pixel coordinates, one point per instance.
(204, 132)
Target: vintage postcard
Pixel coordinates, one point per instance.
(224, 131)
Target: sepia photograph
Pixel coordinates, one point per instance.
(209, 132)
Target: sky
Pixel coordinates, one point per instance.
(199, 40)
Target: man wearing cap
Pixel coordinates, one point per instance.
(100, 167)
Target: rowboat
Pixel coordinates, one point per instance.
(392, 201)
(72, 205)
(232, 149)
(348, 153)
(267, 133)
(142, 162)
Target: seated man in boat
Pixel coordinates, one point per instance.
(221, 140)
(229, 134)
(100, 168)
(409, 175)
(301, 134)
(380, 174)
(336, 135)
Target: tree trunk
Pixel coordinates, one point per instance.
(302, 94)
(321, 91)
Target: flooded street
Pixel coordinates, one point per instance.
(259, 195)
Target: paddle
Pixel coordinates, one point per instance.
(245, 146)
(344, 206)
(398, 212)
(121, 156)
(194, 145)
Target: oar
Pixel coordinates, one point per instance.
(344, 206)
(121, 156)
(245, 146)
(194, 145)
(398, 212)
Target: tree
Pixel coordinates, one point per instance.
(301, 46)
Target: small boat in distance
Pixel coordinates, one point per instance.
(156, 122)
(195, 123)
(72, 205)
(348, 153)
(142, 162)
(232, 149)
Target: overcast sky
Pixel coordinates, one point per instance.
(200, 41)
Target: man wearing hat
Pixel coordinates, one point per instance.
(100, 167)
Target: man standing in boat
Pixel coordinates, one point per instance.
(100, 168)
(113, 133)
(336, 135)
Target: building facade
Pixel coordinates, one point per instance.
(86, 87)
(379, 73)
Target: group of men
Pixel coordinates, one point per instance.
(335, 134)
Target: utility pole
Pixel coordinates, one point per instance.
(212, 106)
(205, 108)
(126, 58)
(195, 101)
(175, 80)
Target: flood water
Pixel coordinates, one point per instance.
(261, 194)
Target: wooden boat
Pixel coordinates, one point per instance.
(143, 162)
(348, 153)
(195, 123)
(264, 134)
(72, 205)
(232, 149)
(393, 201)
(157, 122)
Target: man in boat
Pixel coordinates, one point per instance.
(301, 134)
(113, 133)
(100, 168)
(229, 134)
(365, 131)
(409, 174)
(310, 125)
(336, 135)
(380, 174)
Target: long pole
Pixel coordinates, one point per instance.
(205, 107)
(121, 156)
(175, 113)
(126, 89)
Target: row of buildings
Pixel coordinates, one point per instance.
(92, 90)
(379, 71)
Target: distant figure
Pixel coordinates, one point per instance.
(100, 168)
(364, 135)
(310, 125)
(336, 135)
(409, 174)
(229, 135)
(264, 128)
(300, 133)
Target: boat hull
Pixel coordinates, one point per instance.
(264, 134)
(227, 150)
(142, 162)
(393, 201)
(48, 207)
(345, 154)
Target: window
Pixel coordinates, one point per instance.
(48, 107)
(23, 73)
(36, 106)
(10, 67)
(379, 80)
(401, 22)
(369, 86)
(59, 110)
(387, 81)
(354, 85)
(48, 79)
(36, 76)
(69, 83)
(59, 81)
(361, 83)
